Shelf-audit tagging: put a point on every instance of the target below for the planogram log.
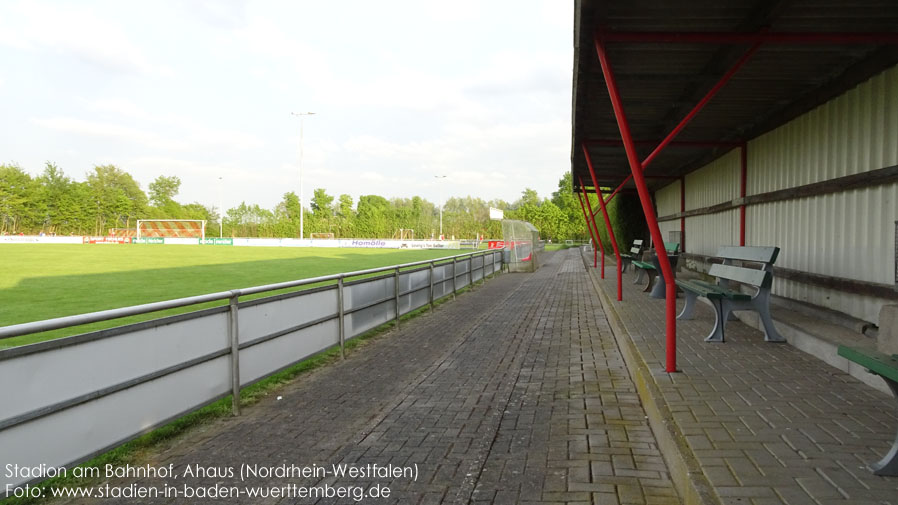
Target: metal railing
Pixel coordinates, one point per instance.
(79, 396)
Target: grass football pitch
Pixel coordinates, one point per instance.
(44, 281)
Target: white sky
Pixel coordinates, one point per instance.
(479, 90)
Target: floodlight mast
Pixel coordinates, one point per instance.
(301, 120)
(220, 209)
(441, 205)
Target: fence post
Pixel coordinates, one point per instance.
(234, 336)
(431, 287)
(454, 287)
(471, 271)
(340, 310)
(482, 270)
(396, 291)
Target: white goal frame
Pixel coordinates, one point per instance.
(201, 221)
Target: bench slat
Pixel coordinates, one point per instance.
(729, 293)
(700, 289)
(644, 265)
(749, 253)
(880, 363)
(757, 278)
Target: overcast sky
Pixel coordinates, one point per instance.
(478, 90)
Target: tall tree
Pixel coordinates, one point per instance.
(164, 189)
(118, 198)
(16, 198)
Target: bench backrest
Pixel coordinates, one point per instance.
(751, 276)
(672, 247)
(755, 254)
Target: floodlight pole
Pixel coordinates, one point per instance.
(441, 205)
(301, 121)
(220, 209)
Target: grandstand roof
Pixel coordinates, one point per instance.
(667, 55)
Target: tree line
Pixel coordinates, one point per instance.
(109, 197)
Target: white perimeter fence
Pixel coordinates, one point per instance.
(67, 400)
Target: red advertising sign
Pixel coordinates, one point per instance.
(106, 240)
(495, 244)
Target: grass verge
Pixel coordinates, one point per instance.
(132, 452)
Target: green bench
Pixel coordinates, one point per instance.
(647, 268)
(635, 251)
(886, 366)
(725, 300)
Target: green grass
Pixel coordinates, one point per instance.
(138, 450)
(43, 281)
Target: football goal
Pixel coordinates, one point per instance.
(171, 228)
(404, 234)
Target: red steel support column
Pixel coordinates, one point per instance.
(595, 227)
(646, 199)
(595, 254)
(743, 175)
(595, 186)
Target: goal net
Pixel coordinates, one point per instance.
(123, 232)
(404, 234)
(172, 228)
(522, 243)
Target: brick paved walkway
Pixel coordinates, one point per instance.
(766, 423)
(514, 393)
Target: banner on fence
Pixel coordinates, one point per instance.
(106, 240)
(148, 240)
(216, 241)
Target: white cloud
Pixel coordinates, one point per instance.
(109, 130)
(72, 30)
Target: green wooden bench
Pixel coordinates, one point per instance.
(725, 300)
(886, 366)
(635, 251)
(647, 268)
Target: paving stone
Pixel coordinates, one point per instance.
(515, 392)
(767, 422)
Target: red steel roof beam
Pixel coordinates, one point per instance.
(646, 200)
(844, 38)
(701, 104)
(673, 143)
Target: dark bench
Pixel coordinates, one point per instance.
(886, 366)
(726, 300)
(635, 251)
(649, 268)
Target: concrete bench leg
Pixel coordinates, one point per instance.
(623, 265)
(716, 334)
(689, 307)
(762, 306)
(648, 286)
(639, 273)
(888, 466)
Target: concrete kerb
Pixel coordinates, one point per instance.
(686, 473)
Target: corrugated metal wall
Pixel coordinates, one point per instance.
(849, 234)
(667, 201)
(712, 184)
